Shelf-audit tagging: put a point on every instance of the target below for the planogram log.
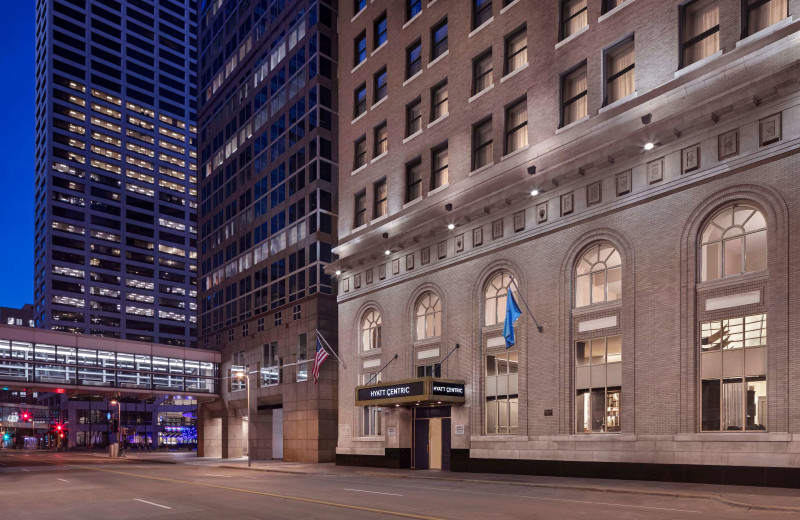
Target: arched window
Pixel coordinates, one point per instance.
(598, 277)
(429, 316)
(494, 298)
(734, 242)
(371, 330)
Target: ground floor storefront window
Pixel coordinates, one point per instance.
(598, 385)
(502, 388)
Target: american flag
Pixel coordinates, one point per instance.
(320, 357)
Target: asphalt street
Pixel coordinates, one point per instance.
(42, 485)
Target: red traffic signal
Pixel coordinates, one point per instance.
(25, 416)
(59, 427)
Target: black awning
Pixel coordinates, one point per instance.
(426, 390)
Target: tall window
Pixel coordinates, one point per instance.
(380, 87)
(302, 357)
(360, 152)
(413, 180)
(620, 71)
(371, 331)
(516, 50)
(494, 298)
(517, 126)
(760, 14)
(733, 362)
(574, 17)
(440, 162)
(413, 59)
(360, 48)
(238, 366)
(574, 104)
(270, 365)
(700, 31)
(381, 204)
(361, 209)
(598, 277)
(371, 416)
(481, 12)
(502, 393)
(734, 242)
(429, 316)
(439, 39)
(482, 72)
(358, 5)
(381, 139)
(379, 31)
(413, 8)
(439, 106)
(598, 384)
(609, 5)
(360, 100)
(414, 117)
(482, 149)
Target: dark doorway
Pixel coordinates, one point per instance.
(431, 437)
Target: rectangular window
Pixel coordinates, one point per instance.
(302, 357)
(381, 207)
(502, 394)
(733, 367)
(238, 371)
(598, 384)
(516, 50)
(360, 100)
(413, 8)
(517, 126)
(360, 153)
(609, 5)
(620, 71)
(371, 416)
(360, 48)
(760, 14)
(270, 370)
(431, 370)
(482, 149)
(361, 209)
(482, 72)
(358, 5)
(439, 106)
(439, 39)
(574, 17)
(379, 30)
(700, 30)
(380, 86)
(440, 162)
(481, 12)
(381, 139)
(413, 180)
(413, 59)
(574, 104)
(414, 117)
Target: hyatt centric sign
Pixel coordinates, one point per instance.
(415, 389)
(424, 390)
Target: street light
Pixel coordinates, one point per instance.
(245, 376)
(119, 426)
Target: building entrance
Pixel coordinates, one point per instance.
(431, 438)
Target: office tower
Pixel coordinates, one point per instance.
(115, 242)
(625, 169)
(268, 171)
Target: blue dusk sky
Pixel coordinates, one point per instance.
(17, 55)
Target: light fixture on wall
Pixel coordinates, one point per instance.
(387, 252)
(649, 146)
(451, 226)
(534, 192)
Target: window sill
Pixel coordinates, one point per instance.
(379, 47)
(412, 78)
(354, 69)
(481, 169)
(359, 117)
(378, 157)
(574, 123)
(371, 353)
(618, 102)
(765, 31)
(416, 16)
(698, 64)
(432, 2)
(733, 280)
(368, 438)
(482, 92)
(378, 219)
(494, 438)
(615, 10)
(596, 307)
(360, 168)
(427, 342)
(445, 53)
(514, 72)
(411, 203)
(353, 19)
(515, 152)
(377, 103)
(477, 29)
(506, 8)
(412, 136)
(437, 190)
(572, 36)
(435, 121)
(359, 228)
(734, 436)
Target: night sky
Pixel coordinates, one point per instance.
(17, 55)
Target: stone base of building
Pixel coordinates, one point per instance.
(395, 458)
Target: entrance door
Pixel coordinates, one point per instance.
(421, 436)
(435, 443)
(277, 433)
(431, 448)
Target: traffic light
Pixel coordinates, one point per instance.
(25, 416)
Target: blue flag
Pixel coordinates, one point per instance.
(512, 313)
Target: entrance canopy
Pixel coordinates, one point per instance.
(425, 390)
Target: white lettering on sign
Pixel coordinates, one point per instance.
(457, 390)
(392, 431)
(459, 429)
(390, 392)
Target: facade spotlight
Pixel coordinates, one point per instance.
(451, 226)
(387, 252)
(649, 146)
(534, 192)
(338, 272)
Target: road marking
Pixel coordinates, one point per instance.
(23, 469)
(215, 475)
(151, 503)
(265, 494)
(374, 492)
(62, 480)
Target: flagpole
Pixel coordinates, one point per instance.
(538, 327)
(330, 348)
